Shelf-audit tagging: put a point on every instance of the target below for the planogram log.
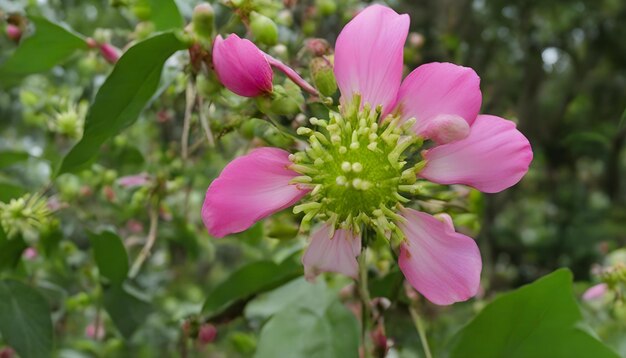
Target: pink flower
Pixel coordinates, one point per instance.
(30, 253)
(241, 66)
(95, 332)
(346, 173)
(595, 292)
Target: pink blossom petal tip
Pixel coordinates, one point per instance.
(494, 157)
(443, 265)
(369, 56)
(332, 254)
(249, 189)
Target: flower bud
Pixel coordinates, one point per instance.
(286, 100)
(241, 66)
(110, 53)
(323, 76)
(7, 352)
(207, 333)
(319, 47)
(326, 7)
(447, 128)
(14, 32)
(263, 29)
(202, 20)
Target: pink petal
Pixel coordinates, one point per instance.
(241, 66)
(493, 157)
(332, 255)
(440, 263)
(595, 292)
(249, 189)
(368, 56)
(439, 88)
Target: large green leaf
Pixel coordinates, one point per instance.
(310, 332)
(25, 321)
(10, 251)
(248, 281)
(10, 191)
(127, 309)
(538, 320)
(165, 15)
(48, 46)
(110, 255)
(10, 157)
(122, 97)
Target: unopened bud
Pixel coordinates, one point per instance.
(263, 29)
(318, 47)
(207, 333)
(326, 7)
(14, 32)
(202, 20)
(447, 128)
(285, 100)
(110, 53)
(323, 75)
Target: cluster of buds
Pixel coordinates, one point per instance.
(25, 216)
(69, 122)
(612, 277)
(101, 41)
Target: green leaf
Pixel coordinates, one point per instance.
(48, 46)
(538, 320)
(308, 332)
(25, 321)
(127, 309)
(10, 157)
(165, 15)
(248, 281)
(10, 191)
(110, 255)
(10, 251)
(122, 97)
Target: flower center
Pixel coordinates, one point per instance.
(356, 166)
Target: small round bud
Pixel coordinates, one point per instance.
(207, 333)
(326, 7)
(110, 53)
(202, 20)
(14, 32)
(263, 29)
(323, 75)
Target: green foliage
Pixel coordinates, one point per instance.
(307, 320)
(126, 307)
(165, 15)
(110, 256)
(56, 41)
(538, 320)
(25, 320)
(248, 281)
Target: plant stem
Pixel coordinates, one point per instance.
(190, 100)
(365, 300)
(152, 235)
(419, 324)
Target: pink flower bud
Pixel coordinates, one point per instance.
(132, 181)
(207, 333)
(447, 128)
(7, 352)
(91, 43)
(95, 332)
(241, 66)
(110, 53)
(14, 32)
(30, 253)
(595, 292)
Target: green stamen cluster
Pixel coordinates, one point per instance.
(356, 168)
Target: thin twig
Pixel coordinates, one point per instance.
(365, 300)
(147, 247)
(190, 98)
(417, 320)
(205, 122)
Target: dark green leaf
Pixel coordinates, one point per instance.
(248, 281)
(8, 158)
(110, 256)
(10, 251)
(25, 321)
(126, 308)
(53, 40)
(10, 191)
(307, 332)
(165, 15)
(122, 97)
(538, 320)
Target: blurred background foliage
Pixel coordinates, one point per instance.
(557, 68)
